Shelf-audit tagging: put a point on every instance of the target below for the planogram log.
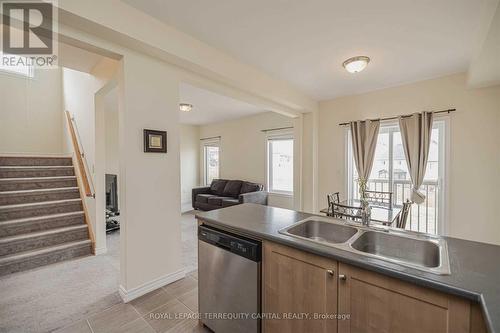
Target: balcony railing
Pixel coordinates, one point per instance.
(423, 217)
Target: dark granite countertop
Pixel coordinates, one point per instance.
(475, 267)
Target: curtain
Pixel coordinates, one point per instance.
(364, 141)
(416, 134)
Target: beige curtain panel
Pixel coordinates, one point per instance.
(416, 134)
(364, 135)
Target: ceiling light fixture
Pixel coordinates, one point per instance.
(184, 107)
(356, 64)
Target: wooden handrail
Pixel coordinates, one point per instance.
(79, 158)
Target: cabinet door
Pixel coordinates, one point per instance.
(377, 303)
(301, 285)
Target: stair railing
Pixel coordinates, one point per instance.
(88, 186)
(84, 181)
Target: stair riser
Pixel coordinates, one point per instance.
(40, 225)
(22, 185)
(40, 211)
(42, 241)
(45, 259)
(10, 173)
(34, 161)
(14, 199)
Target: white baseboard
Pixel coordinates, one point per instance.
(186, 207)
(100, 250)
(128, 295)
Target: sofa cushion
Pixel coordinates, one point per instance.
(232, 188)
(217, 186)
(248, 187)
(203, 198)
(230, 202)
(216, 201)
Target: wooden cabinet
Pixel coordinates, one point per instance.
(296, 287)
(377, 303)
(296, 282)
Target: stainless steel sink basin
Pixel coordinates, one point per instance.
(424, 252)
(408, 250)
(323, 231)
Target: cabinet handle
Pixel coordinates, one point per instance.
(330, 272)
(342, 277)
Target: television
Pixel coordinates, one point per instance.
(112, 193)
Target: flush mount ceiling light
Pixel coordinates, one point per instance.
(184, 107)
(356, 64)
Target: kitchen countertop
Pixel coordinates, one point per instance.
(475, 267)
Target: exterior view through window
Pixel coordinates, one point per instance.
(280, 165)
(211, 161)
(18, 65)
(390, 173)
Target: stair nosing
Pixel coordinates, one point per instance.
(35, 167)
(27, 205)
(33, 253)
(39, 190)
(42, 217)
(39, 178)
(36, 234)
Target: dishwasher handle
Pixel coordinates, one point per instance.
(242, 246)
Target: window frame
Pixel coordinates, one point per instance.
(204, 145)
(269, 173)
(4, 70)
(441, 121)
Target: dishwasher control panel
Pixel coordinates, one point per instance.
(245, 247)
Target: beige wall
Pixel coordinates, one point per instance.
(243, 149)
(190, 159)
(31, 113)
(474, 165)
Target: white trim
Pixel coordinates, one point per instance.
(186, 207)
(215, 142)
(100, 250)
(129, 295)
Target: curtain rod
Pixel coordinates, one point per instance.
(276, 129)
(408, 115)
(213, 137)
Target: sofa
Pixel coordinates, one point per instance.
(224, 193)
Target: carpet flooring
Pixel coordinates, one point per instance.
(72, 293)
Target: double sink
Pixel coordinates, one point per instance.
(416, 250)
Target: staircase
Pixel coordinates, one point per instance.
(41, 214)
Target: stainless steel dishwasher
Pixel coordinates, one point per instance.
(229, 281)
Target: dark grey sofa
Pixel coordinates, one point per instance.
(224, 193)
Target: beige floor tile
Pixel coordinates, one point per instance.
(190, 299)
(189, 326)
(137, 326)
(147, 303)
(167, 316)
(115, 317)
(182, 286)
(79, 327)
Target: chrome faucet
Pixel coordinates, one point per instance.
(366, 213)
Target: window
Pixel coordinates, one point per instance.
(390, 173)
(15, 64)
(211, 160)
(280, 165)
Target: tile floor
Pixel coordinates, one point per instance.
(168, 309)
(82, 295)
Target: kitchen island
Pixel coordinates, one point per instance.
(474, 266)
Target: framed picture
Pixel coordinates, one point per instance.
(155, 141)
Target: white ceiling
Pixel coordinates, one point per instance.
(305, 42)
(209, 107)
(77, 58)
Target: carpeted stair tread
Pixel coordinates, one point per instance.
(46, 250)
(4, 240)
